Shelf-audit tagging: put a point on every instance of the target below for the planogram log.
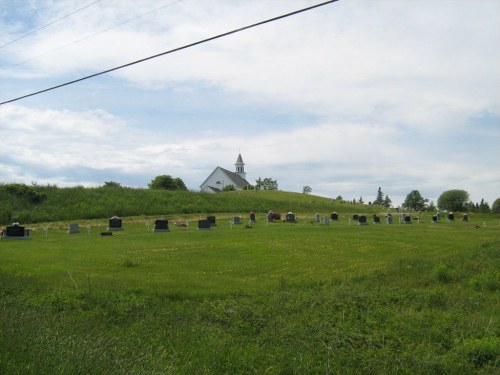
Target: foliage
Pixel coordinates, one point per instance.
(229, 187)
(266, 184)
(112, 184)
(306, 189)
(28, 193)
(380, 197)
(453, 200)
(387, 202)
(415, 201)
(496, 206)
(167, 182)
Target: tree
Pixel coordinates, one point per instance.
(387, 202)
(453, 200)
(339, 198)
(495, 207)
(269, 184)
(415, 201)
(484, 207)
(361, 201)
(229, 187)
(167, 182)
(306, 189)
(112, 184)
(380, 197)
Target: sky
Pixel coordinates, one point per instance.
(344, 98)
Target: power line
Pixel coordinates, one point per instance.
(173, 50)
(92, 35)
(49, 24)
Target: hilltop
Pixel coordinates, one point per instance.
(31, 204)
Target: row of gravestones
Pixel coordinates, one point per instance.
(17, 231)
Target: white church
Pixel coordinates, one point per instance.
(221, 177)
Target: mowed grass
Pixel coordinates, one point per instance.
(277, 298)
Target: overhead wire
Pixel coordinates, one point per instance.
(48, 24)
(91, 35)
(202, 41)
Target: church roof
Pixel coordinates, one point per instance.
(239, 160)
(237, 179)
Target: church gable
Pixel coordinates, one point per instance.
(221, 178)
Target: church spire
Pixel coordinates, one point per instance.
(240, 167)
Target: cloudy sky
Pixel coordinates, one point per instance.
(346, 98)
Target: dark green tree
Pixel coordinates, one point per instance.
(361, 201)
(380, 197)
(495, 207)
(453, 200)
(167, 182)
(112, 184)
(484, 207)
(387, 202)
(306, 189)
(415, 201)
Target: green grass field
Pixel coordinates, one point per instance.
(277, 298)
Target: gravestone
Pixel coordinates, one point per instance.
(252, 217)
(451, 216)
(270, 216)
(236, 220)
(434, 219)
(376, 219)
(334, 216)
(355, 217)
(211, 220)
(204, 224)
(389, 219)
(438, 215)
(161, 225)
(465, 217)
(115, 223)
(73, 228)
(325, 220)
(16, 231)
(290, 217)
(362, 220)
(318, 217)
(406, 219)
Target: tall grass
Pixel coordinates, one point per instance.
(72, 203)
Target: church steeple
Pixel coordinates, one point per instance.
(240, 167)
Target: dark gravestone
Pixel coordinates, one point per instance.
(451, 217)
(389, 219)
(115, 223)
(236, 220)
(376, 219)
(290, 217)
(204, 224)
(161, 225)
(105, 234)
(438, 215)
(465, 217)
(334, 216)
(355, 217)
(434, 219)
(362, 220)
(211, 220)
(318, 217)
(252, 217)
(16, 231)
(406, 219)
(270, 216)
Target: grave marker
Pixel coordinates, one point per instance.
(16, 231)
(161, 225)
(362, 220)
(73, 228)
(334, 216)
(115, 223)
(211, 220)
(204, 224)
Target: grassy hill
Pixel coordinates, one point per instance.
(32, 204)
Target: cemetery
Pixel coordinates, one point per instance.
(212, 296)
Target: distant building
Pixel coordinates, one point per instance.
(221, 177)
